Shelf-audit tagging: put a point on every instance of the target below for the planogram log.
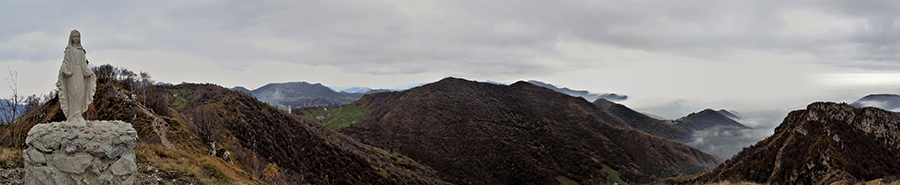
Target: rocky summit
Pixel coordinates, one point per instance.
(824, 144)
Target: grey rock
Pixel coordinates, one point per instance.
(123, 167)
(129, 180)
(75, 164)
(98, 152)
(40, 146)
(36, 157)
(43, 172)
(116, 152)
(71, 149)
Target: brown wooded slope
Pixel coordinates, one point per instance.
(481, 133)
(309, 152)
(643, 122)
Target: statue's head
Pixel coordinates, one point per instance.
(75, 38)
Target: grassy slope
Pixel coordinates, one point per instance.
(339, 117)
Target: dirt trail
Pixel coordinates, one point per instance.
(160, 126)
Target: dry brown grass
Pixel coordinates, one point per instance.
(11, 158)
(879, 182)
(188, 167)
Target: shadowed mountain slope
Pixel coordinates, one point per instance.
(729, 114)
(708, 119)
(827, 142)
(643, 122)
(482, 133)
(713, 132)
(580, 93)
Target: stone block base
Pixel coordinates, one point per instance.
(100, 153)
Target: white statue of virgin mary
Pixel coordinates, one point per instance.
(76, 82)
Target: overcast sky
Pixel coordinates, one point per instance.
(669, 57)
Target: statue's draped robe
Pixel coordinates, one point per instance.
(76, 91)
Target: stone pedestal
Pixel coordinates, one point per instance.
(100, 153)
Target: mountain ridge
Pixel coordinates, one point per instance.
(580, 93)
(714, 132)
(302, 94)
(822, 144)
(476, 132)
(708, 118)
(890, 102)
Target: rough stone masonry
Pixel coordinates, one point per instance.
(100, 153)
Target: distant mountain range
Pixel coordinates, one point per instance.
(300, 94)
(711, 131)
(890, 102)
(304, 94)
(483, 133)
(240, 89)
(709, 118)
(580, 93)
(828, 143)
(351, 89)
(645, 123)
(21, 107)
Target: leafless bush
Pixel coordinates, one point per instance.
(206, 123)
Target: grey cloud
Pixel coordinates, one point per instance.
(473, 37)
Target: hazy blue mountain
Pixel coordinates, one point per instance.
(20, 107)
(241, 89)
(302, 94)
(889, 102)
(162, 83)
(402, 87)
(495, 82)
(581, 93)
(350, 89)
(709, 118)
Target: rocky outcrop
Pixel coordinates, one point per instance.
(100, 153)
(827, 142)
